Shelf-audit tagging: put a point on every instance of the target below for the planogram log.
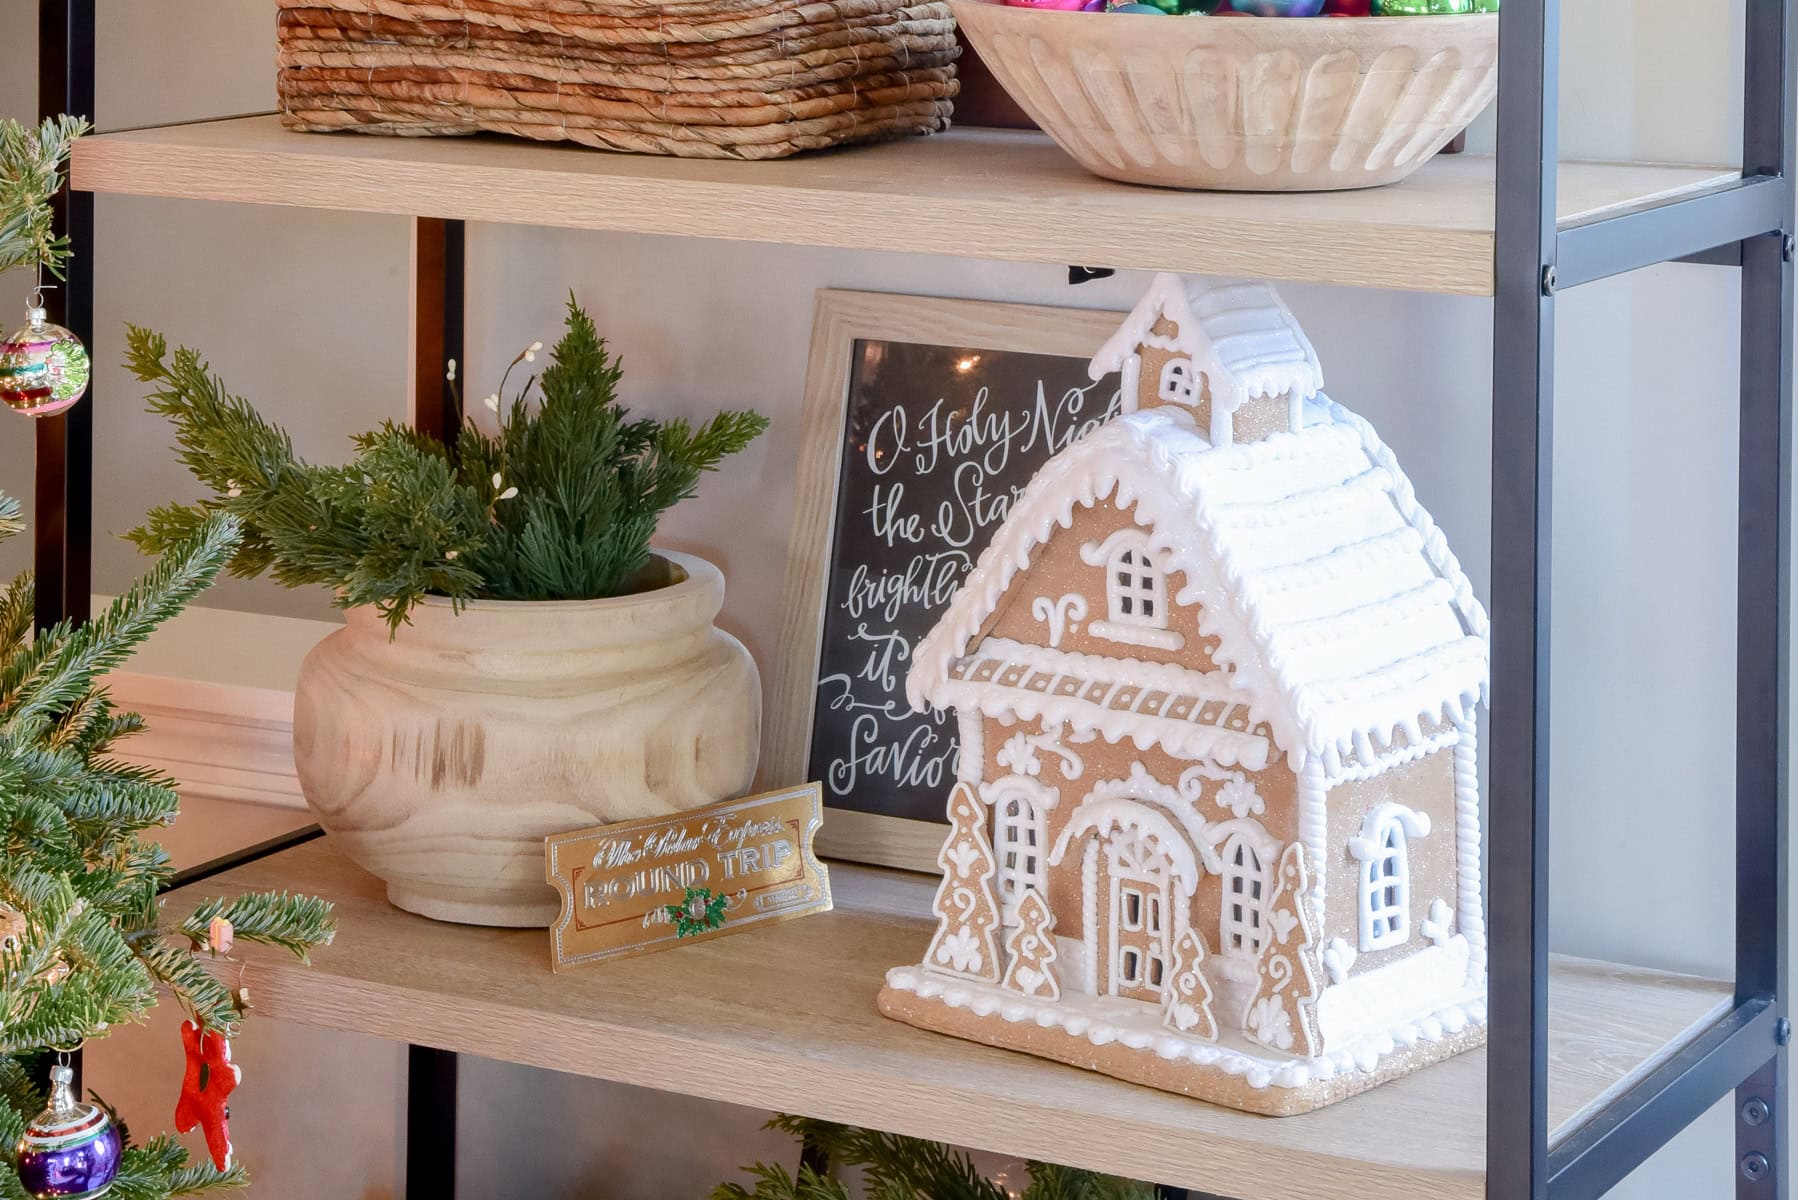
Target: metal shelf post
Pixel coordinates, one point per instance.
(1749, 224)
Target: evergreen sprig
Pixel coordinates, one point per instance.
(85, 947)
(902, 1168)
(559, 504)
(31, 163)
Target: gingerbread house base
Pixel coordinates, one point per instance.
(1129, 1041)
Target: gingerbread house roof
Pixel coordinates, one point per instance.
(1345, 625)
(1241, 335)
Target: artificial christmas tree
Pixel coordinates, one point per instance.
(85, 947)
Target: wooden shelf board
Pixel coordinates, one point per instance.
(978, 193)
(784, 1018)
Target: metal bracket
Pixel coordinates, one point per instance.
(1757, 1135)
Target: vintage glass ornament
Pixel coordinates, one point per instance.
(71, 1151)
(1278, 8)
(43, 367)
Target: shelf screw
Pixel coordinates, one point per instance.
(1782, 1031)
(1786, 247)
(1755, 1167)
(1756, 1112)
(1548, 280)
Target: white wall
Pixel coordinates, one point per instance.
(306, 313)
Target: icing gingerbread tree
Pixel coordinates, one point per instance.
(1284, 1012)
(1030, 951)
(1188, 1004)
(967, 914)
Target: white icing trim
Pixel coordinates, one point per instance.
(1182, 739)
(1130, 385)
(1470, 904)
(1201, 503)
(1103, 668)
(1439, 926)
(1339, 959)
(1352, 770)
(1089, 925)
(1058, 612)
(1239, 796)
(1223, 423)
(1314, 827)
(970, 759)
(1102, 815)
(1367, 845)
(1131, 634)
(1392, 994)
(1104, 1022)
(1020, 752)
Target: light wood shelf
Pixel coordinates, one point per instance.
(976, 193)
(784, 1018)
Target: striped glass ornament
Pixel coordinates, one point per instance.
(71, 1151)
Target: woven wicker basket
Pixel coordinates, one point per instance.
(697, 78)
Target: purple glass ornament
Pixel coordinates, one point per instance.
(1278, 8)
(71, 1151)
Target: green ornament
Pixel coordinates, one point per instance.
(698, 912)
(1189, 8)
(1425, 8)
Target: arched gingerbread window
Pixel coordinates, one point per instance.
(1018, 841)
(1136, 611)
(1384, 851)
(1245, 889)
(1179, 384)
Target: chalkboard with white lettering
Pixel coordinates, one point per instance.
(937, 443)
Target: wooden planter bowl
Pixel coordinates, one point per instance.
(1241, 103)
(440, 759)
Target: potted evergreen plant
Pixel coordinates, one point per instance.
(515, 661)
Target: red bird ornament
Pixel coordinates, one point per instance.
(206, 1088)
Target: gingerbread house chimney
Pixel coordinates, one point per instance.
(1231, 355)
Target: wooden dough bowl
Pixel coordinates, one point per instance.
(1241, 103)
(441, 758)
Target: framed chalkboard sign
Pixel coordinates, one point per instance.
(924, 418)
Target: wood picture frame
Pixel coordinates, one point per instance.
(842, 320)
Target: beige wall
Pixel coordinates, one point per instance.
(306, 313)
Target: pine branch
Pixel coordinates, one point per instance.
(560, 504)
(208, 1000)
(297, 924)
(63, 664)
(774, 1183)
(162, 1169)
(31, 162)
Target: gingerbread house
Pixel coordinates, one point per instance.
(1216, 827)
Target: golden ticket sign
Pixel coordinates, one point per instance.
(646, 885)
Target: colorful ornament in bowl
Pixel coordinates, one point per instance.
(1278, 8)
(1242, 105)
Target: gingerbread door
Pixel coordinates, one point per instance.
(1138, 933)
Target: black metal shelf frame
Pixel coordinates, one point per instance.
(1747, 225)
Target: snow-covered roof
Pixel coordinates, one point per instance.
(1241, 335)
(1341, 614)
